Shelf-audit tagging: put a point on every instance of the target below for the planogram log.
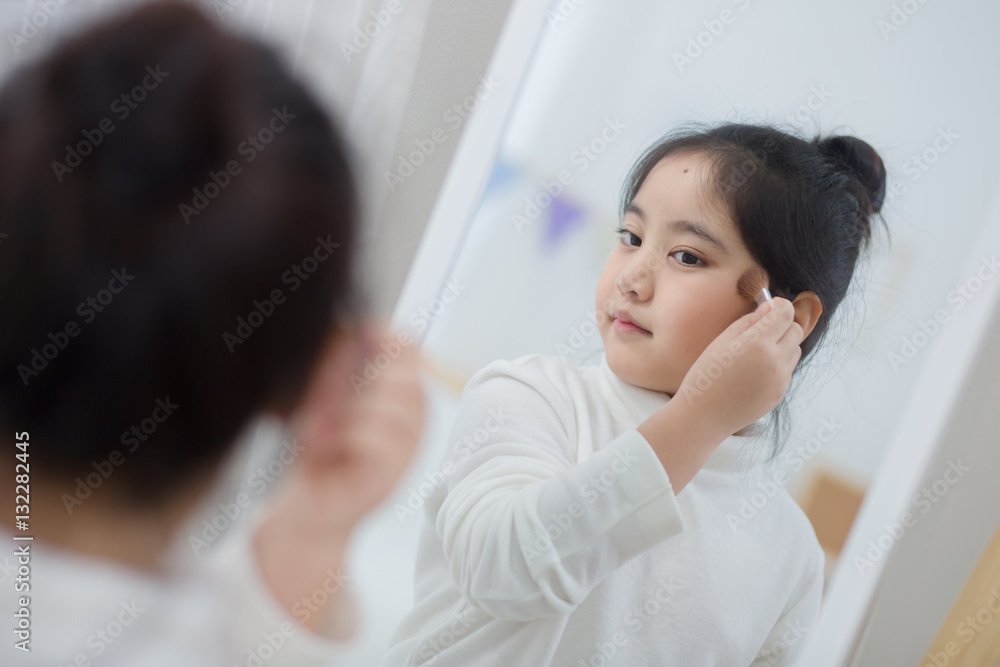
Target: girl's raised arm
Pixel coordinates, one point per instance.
(528, 531)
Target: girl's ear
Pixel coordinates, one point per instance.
(807, 311)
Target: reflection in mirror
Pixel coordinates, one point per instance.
(549, 529)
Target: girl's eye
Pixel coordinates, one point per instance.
(622, 232)
(686, 258)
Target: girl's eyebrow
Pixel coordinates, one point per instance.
(678, 226)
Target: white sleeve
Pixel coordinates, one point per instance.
(529, 532)
(786, 639)
(257, 623)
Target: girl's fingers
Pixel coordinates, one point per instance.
(775, 323)
(794, 356)
(792, 336)
(393, 420)
(750, 320)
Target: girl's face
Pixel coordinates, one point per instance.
(674, 272)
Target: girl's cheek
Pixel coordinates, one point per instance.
(695, 310)
(690, 327)
(700, 318)
(727, 304)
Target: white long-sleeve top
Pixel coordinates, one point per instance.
(85, 611)
(553, 537)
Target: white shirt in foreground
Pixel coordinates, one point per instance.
(88, 612)
(553, 537)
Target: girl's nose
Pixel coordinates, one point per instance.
(636, 280)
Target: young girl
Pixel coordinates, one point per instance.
(590, 523)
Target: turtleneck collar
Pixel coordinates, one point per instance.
(631, 405)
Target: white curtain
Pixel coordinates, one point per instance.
(358, 56)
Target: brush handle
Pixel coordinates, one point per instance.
(765, 295)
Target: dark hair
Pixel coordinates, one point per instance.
(182, 210)
(802, 207)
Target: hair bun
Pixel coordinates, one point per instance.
(863, 162)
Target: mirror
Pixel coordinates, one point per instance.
(606, 81)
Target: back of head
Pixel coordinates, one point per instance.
(180, 220)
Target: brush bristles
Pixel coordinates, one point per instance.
(751, 285)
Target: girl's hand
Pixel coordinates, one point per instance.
(745, 371)
(360, 426)
(359, 433)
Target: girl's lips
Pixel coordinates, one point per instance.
(627, 327)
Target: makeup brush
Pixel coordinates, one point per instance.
(752, 286)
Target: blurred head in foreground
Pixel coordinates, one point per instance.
(179, 220)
